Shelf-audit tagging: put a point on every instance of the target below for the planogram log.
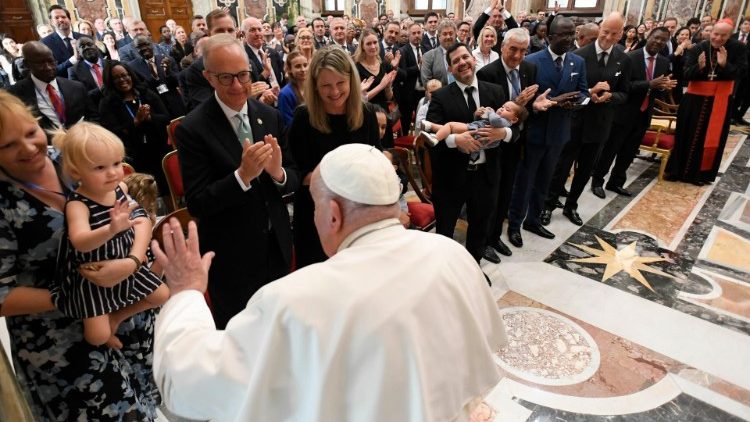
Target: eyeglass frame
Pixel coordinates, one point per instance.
(218, 77)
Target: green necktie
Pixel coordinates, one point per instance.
(243, 128)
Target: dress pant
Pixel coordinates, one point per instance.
(479, 193)
(407, 107)
(623, 143)
(510, 153)
(532, 181)
(575, 151)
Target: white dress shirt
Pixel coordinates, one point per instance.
(43, 101)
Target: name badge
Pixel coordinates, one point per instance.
(162, 89)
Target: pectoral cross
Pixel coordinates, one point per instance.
(711, 76)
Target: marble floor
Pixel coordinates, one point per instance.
(641, 314)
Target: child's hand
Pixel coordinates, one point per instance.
(481, 110)
(119, 216)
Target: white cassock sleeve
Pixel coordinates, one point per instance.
(203, 373)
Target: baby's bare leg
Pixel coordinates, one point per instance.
(450, 127)
(96, 330)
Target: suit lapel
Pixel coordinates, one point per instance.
(504, 80)
(460, 100)
(256, 122)
(224, 131)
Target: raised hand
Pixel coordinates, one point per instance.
(396, 59)
(273, 166)
(181, 259)
(255, 89)
(721, 56)
(254, 160)
(702, 61)
(119, 216)
(542, 103)
(365, 84)
(143, 113)
(527, 94)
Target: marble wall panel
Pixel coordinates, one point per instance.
(633, 13)
(681, 9)
(91, 9)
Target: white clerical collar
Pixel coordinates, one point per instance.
(367, 230)
(42, 86)
(463, 86)
(599, 50)
(507, 68)
(555, 56)
(229, 111)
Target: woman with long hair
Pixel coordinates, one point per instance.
(684, 43)
(333, 115)
(110, 46)
(9, 51)
(484, 53)
(369, 65)
(138, 117)
(304, 42)
(629, 38)
(182, 46)
(293, 93)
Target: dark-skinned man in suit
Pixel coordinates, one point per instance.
(90, 70)
(649, 79)
(58, 102)
(608, 74)
(456, 179)
(236, 167)
(516, 77)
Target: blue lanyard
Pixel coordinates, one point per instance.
(137, 102)
(34, 186)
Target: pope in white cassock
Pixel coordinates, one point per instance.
(397, 325)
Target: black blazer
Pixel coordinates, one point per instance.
(56, 44)
(596, 119)
(82, 73)
(495, 73)
(276, 64)
(426, 44)
(449, 164)
(630, 111)
(408, 71)
(196, 88)
(78, 105)
(234, 223)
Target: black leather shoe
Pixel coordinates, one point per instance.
(515, 238)
(546, 217)
(539, 231)
(490, 255)
(620, 191)
(598, 191)
(573, 216)
(564, 193)
(502, 248)
(558, 204)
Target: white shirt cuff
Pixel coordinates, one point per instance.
(508, 135)
(283, 180)
(506, 13)
(245, 187)
(488, 11)
(451, 141)
(73, 59)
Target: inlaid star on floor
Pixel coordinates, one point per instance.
(625, 259)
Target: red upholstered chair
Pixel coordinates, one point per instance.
(171, 166)
(422, 157)
(422, 212)
(127, 169)
(404, 142)
(171, 140)
(659, 139)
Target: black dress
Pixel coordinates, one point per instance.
(146, 144)
(379, 99)
(308, 147)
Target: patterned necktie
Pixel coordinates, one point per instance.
(516, 83)
(432, 41)
(243, 128)
(98, 73)
(152, 66)
(57, 103)
(558, 63)
(649, 76)
(469, 90)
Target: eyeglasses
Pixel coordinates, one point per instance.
(226, 79)
(304, 37)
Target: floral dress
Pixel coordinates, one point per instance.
(62, 376)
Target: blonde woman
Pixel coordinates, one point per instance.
(87, 28)
(304, 43)
(370, 67)
(333, 115)
(484, 53)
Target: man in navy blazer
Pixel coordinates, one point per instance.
(564, 75)
(62, 41)
(410, 83)
(235, 188)
(430, 36)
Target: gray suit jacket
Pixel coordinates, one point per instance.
(433, 66)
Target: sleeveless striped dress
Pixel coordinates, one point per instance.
(77, 297)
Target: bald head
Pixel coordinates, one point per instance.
(610, 30)
(253, 29)
(39, 60)
(587, 33)
(720, 34)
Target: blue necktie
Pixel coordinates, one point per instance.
(516, 83)
(243, 128)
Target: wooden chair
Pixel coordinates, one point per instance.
(665, 107)
(171, 139)
(127, 169)
(422, 157)
(659, 139)
(422, 212)
(404, 142)
(170, 164)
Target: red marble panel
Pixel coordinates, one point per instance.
(91, 9)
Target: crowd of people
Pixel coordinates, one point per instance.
(273, 113)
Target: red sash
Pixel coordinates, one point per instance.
(720, 90)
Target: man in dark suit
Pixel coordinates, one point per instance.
(235, 188)
(649, 79)
(319, 33)
(672, 25)
(128, 52)
(564, 75)
(58, 102)
(62, 41)
(411, 89)
(608, 74)
(458, 177)
(498, 17)
(253, 29)
(430, 36)
(389, 44)
(516, 77)
(90, 70)
(159, 72)
(338, 35)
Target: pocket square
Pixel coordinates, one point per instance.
(617, 74)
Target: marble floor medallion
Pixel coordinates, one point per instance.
(546, 348)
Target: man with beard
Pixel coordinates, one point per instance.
(458, 176)
(516, 77)
(713, 67)
(62, 41)
(434, 61)
(89, 70)
(57, 101)
(389, 44)
(649, 79)
(564, 75)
